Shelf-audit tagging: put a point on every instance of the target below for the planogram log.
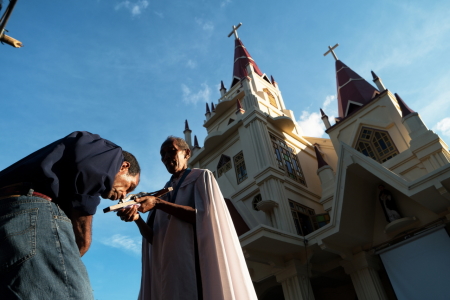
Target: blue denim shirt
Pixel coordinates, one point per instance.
(74, 171)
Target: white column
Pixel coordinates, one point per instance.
(260, 143)
(363, 269)
(273, 189)
(295, 281)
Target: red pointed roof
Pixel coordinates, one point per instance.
(274, 83)
(405, 108)
(351, 87)
(320, 161)
(196, 142)
(207, 109)
(241, 60)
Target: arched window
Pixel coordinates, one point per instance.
(224, 165)
(376, 144)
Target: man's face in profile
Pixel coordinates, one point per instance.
(123, 184)
(174, 158)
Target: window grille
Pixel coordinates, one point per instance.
(239, 166)
(287, 159)
(376, 144)
(302, 218)
(224, 165)
(272, 99)
(256, 200)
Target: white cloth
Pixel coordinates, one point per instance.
(168, 264)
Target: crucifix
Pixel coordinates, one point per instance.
(331, 51)
(234, 31)
(3, 20)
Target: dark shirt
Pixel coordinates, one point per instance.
(74, 171)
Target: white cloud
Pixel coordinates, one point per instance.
(159, 14)
(124, 242)
(328, 100)
(311, 124)
(135, 8)
(191, 64)
(205, 25)
(224, 3)
(444, 126)
(193, 97)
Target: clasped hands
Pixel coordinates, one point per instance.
(131, 213)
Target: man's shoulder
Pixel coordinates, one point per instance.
(195, 174)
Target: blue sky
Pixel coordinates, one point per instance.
(133, 71)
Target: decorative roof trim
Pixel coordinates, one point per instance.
(351, 79)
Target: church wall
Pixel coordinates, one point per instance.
(382, 114)
(222, 123)
(228, 181)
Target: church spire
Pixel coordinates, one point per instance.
(242, 59)
(378, 82)
(320, 161)
(239, 109)
(352, 90)
(222, 90)
(274, 83)
(187, 133)
(403, 107)
(196, 142)
(325, 120)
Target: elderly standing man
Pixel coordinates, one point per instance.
(190, 247)
(47, 200)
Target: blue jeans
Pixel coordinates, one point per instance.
(39, 258)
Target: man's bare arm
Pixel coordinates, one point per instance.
(130, 214)
(82, 228)
(185, 213)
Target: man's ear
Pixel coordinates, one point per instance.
(124, 167)
(187, 153)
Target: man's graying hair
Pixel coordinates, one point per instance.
(179, 141)
(134, 169)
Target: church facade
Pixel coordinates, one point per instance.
(361, 215)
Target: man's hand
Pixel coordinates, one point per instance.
(129, 214)
(82, 228)
(147, 203)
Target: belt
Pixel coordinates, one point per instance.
(20, 189)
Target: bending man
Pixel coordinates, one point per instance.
(190, 247)
(47, 200)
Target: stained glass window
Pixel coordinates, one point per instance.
(302, 218)
(376, 144)
(239, 166)
(287, 159)
(224, 165)
(305, 218)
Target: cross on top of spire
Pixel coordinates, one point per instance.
(234, 31)
(331, 51)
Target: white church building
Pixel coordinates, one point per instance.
(312, 216)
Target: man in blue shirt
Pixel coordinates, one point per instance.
(47, 200)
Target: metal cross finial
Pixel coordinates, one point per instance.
(234, 31)
(331, 51)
